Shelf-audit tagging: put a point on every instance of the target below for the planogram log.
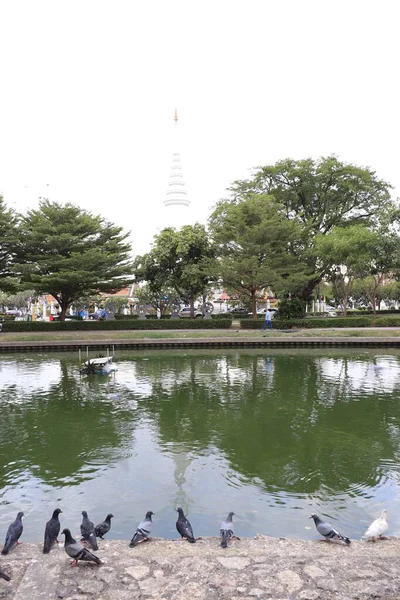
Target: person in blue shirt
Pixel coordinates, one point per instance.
(267, 320)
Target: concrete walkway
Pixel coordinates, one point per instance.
(249, 569)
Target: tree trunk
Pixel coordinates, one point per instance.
(374, 301)
(306, 292)
(254, 304)
(63, 311)
(345, 294)
(191, 304)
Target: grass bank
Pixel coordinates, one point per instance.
(83, 336)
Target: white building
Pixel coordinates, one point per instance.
(176, 207)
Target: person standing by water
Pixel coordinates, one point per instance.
(267, 320)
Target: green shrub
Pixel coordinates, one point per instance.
(222, 316)
(386, 321)
(291, 308)
(124, 324)
(314, 323)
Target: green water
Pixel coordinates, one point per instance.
(272, 436)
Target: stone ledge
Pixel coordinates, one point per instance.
(249, 569)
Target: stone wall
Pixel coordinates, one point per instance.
(263, 567)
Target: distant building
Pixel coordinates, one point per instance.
(175, 211)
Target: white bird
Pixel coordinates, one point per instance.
(377, 528)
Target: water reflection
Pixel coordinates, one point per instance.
(271, 436)
(56, 427)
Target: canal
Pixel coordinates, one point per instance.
(272, 436)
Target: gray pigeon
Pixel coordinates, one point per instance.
(143, 530)
(102, 528)
(4, 575)
(328, 531)
(76, 551)
(51, 532)
(14, 532)
(184, 527)
(88, 532)
(226, 530)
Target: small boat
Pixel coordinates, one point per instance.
(102, 365)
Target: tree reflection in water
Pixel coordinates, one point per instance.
(290, 429)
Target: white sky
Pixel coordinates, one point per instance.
(89, 88)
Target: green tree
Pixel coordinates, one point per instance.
(161, 298)
(8, 240)
(69, 253)
(21, 299)
(116, 304)
(320, 194)
(256, 247)
(182, 260)
(347, 253)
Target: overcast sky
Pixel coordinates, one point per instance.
(89, 88)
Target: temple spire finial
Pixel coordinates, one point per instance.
(176, 116)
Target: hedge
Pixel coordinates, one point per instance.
(131, 317)
(328, 322)
(130, 324)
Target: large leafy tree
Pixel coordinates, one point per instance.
(8, 240)
(69, 253)
(256, 246)
(352, 252)
(320, 194)
(381, 266)
(182, 260)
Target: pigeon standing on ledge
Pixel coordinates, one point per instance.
(328, 531)
(76, 551)
(143, 530)
(102, 528)
(226, 530)
(377, 528)
(14, 532)
(51, 532)
(87, 531)
(184, 527)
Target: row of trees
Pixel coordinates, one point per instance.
(288, 227)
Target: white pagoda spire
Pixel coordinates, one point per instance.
(176, 192)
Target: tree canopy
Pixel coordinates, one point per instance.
(348, 253)
(319, 194)
(256, 246)
(69, 253)
(8, 240)
(181, 260)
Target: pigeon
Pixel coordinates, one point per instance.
(226, 530)
(14, 532)
(4, 575)
(143, 530)
(51, 532)
(328, 531)
(104, 527)
(184, 527)
(377, 528)
(76, 551)
(87, 531)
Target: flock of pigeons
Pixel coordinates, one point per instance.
(90, 533)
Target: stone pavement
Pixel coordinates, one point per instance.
(249, 569)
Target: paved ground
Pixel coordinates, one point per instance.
(176, 570)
